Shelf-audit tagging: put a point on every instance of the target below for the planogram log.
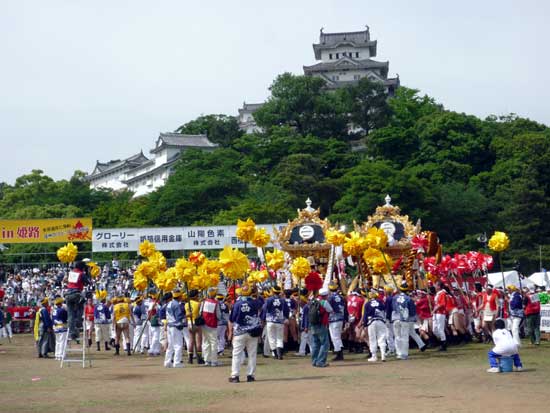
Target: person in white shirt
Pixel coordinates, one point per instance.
(505, 346)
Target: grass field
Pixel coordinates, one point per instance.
(453, 382)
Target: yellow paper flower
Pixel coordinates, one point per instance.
(197, 257)
(212, 280)
(379, 265)
(376, 238)
(246, 230)
(275, 259)
(371, 254)
(185, 270)
(140, 281)
(148, 269)
(355, 244)
(261, 238)
(499, 242)
(198, 283)
(300, 267)
(234, 263)
(159, 260)
(210, 268)
(100, 294)
(147, 248)
(257, 276)
(94, 269)
(67, 253)
(335, 237)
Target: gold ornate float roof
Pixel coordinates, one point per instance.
(389, 213)
(306, 216)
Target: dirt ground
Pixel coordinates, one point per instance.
(452, 382)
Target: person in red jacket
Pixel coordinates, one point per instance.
(489, 306)
(89, 319)
(76, 280)
(211, 313)
(355, 304)
(532, 317)
(424, 305)
(440, 314)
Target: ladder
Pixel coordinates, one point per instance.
(84, 352)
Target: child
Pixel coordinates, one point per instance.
(59, 317)
(504, 346)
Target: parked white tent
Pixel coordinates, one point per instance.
(542, 279)
(510, 277)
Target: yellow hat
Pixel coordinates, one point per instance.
(58, 300)
(276, 289)
(511, 287)
(220, 296)
(45, 300)
(246, 290)
(373, 294)
(333, 286)
(212, 291)
(388, 288)
(238, 291)
(176, 294)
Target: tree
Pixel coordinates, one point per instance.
(220, 129)
(367, 103)
(203, 184)
(301, 103)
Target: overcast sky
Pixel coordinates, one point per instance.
(82, 81)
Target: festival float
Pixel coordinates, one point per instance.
(304, 242)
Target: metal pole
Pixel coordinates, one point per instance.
(540, 258)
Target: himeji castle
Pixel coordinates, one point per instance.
(345, 58)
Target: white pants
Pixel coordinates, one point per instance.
(305, 340)
(267, 347)
(335, 330)
(516, 321)
(187, 338)
(60, 343)
(101, 332)
(141, 337)
(155, 340)
(175, 347)
(378, 333)
(275, 334)
(438, 322)
(210, 344)
(414, 335)
(6, 331)
(391, 337)
(401, 332)
(239, 344)
(221, 337)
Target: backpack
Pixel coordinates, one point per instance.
(314, 315)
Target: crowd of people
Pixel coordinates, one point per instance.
(380, 322)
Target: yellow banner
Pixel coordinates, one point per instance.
(33, 231)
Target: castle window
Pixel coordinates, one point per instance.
(356, 77)
(330, 56)
(356, 54)
(338, 55)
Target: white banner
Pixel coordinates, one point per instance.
(545, 318)
(171, 238)
(128, 239)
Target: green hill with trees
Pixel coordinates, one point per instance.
(459, 174)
